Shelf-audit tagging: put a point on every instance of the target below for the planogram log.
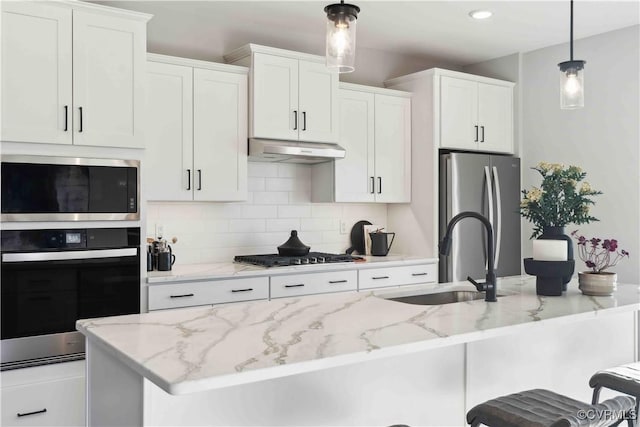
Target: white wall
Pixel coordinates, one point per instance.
(279, 201)
(603, 138)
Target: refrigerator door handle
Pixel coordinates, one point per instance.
(487, 175)
(498, 216)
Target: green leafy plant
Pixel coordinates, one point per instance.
(558, 201)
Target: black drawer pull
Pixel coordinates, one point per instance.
(294, 286)
(26, 414)
(66, 118)
(181, 296)
(419, 274)
(80, 109)
(241, 290)
(380, 277)
(337, 281)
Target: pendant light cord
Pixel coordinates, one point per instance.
(571, 34)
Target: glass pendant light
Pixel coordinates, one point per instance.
(571, 78)
(341, 36)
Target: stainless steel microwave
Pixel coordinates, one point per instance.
(41, 188)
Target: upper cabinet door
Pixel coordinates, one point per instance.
(108, 80)
(220, 135)
(355, 175)
(495, 110)
(318, 103)
(393, 149)
(36, 73)
(275, 97)
(458, 113)
(169, 150)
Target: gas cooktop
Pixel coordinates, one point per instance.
(275, 260)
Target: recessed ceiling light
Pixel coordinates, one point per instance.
(480, 14)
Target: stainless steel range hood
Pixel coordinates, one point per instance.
(267, 150)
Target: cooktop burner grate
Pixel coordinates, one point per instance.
(275, 260)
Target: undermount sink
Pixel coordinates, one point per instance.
(437, 298)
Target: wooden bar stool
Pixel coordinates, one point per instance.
(544, 408)
(624, 378)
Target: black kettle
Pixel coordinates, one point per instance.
(293, 246)
(379, 246)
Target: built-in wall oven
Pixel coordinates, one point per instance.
(50, 278)
(42, 188)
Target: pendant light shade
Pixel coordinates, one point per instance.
(571, 77)
(341, 36)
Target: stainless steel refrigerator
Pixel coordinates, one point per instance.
(488, 184)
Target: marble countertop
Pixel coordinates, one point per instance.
(227, 270)
(196, 349)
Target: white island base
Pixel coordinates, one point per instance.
(407, 383)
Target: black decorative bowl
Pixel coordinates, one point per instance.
(549, 274)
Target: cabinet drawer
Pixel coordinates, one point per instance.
(396, 276)
(310, 283)
(50, 403)
(209, 292)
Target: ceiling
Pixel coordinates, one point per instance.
(434, 29)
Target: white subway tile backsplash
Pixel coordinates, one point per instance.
(247, 225)
(294, 211)
(255, 183)
(278, 202)
(271, 198)
(285, 224)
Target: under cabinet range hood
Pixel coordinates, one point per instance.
(268, 150)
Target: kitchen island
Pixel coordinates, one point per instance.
(360, 358)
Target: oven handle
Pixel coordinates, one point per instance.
(56, 256)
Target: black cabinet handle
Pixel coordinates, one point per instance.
(199, 179)
(379, 185)
(380, 277)
(241, 290)
(304, 120)
(482, 129)
(181, 296)
(419, 274)
(66, 118)
(295, 119)
(188, 179)
(41, 411)
(337, 281)
(294, 286)
(80, 129)
(373, 185)
(476, 140)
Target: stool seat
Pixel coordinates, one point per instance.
(544, 408)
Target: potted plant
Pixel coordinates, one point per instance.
(598, 255)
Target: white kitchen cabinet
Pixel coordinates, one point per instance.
(313, 283)
(197, 114)
(207, 292)
(293, 95)
(476, 115)
(375, 131)
(73, 73)
(50, 395)
(372, 278)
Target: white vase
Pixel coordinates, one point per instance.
(597, 284)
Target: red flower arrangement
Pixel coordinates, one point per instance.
(598, 254)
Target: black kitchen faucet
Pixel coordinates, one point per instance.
(489, 285)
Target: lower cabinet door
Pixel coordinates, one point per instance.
(209, 292)
(50, 403)
(313, 283)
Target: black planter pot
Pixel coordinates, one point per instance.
(557, 233)
(549, 275)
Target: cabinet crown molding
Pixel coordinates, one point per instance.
(196, 63)
(107, 10)
(248, 49)
(439, 72)
(374, 89)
